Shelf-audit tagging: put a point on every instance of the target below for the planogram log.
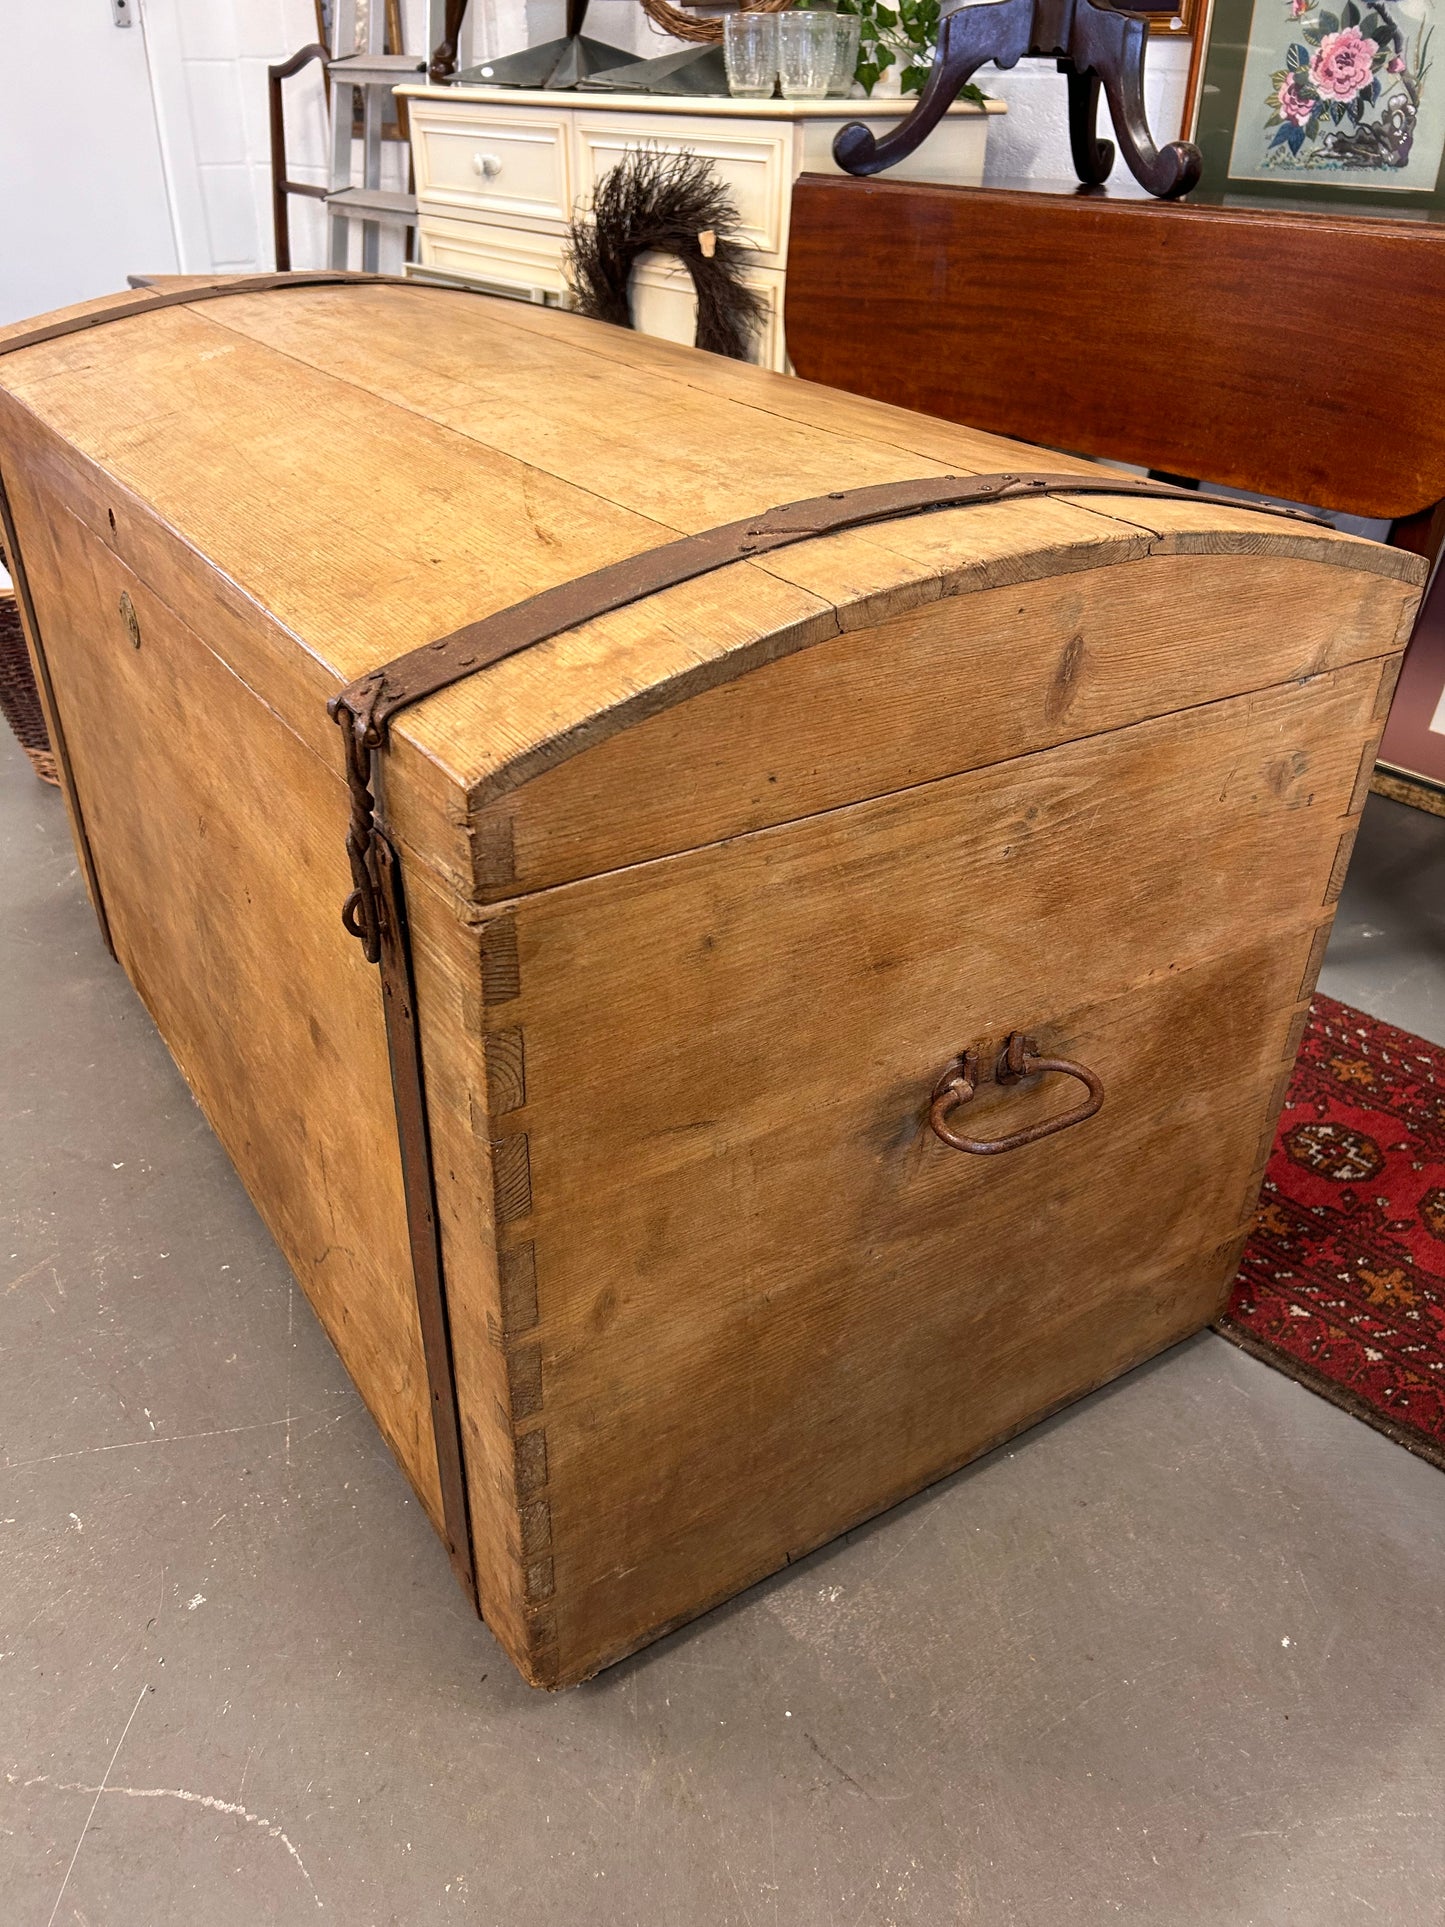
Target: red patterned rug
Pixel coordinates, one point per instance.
(1342, 1284)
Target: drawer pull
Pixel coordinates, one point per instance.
(489, 166)
(1017, 1060)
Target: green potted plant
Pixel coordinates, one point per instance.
(906, 32)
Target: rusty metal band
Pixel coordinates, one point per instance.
(77, 324)
(367, 705)
(364, 709)
(418, 1177)
(18, 576)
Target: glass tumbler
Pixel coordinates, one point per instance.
(807, 53)
(750, 52)
(846, 25)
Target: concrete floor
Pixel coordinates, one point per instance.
(1172, 1658)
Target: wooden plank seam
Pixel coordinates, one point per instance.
(1319, 943)
(517, 1314)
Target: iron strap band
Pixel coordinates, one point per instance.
(77, 324)
(419, 1198)
(367, 705)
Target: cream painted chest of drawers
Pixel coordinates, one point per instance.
(499, 172)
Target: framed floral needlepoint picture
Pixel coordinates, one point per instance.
(1318, 101)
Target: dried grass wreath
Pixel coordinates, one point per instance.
(689, 26)
(676, 203)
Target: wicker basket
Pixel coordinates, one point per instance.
(19, 698)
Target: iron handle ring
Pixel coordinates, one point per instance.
(1016, 1061)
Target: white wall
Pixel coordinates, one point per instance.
(209, 58)
(1031, 141)
(82, 187)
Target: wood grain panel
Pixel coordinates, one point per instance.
(1139, 330)
(857, 1384)
(468, 977)
(213, 886)
(950, 686)
(737, 1221)
(367, 533)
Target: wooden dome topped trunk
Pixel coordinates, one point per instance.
(733, 907)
